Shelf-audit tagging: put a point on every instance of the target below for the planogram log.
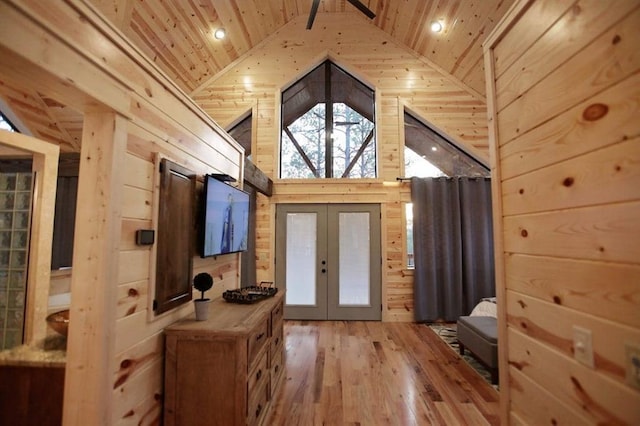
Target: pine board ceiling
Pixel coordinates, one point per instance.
(177, 35)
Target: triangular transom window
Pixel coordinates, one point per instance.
(328, 127)
(429, 154)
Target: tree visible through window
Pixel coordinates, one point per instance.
(328, 128)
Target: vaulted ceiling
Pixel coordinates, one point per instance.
(178, 36)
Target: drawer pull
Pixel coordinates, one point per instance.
(277, 340)
(258, 374)
(258, 410)
(277, 367)
(260, 336)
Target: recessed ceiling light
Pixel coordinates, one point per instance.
(434, 149)
(437, 26)
(220, 33)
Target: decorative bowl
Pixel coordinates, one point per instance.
(59, 321)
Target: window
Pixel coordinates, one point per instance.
(241, 132)
(408, 212)
(429, 154)
(328, 127)
(64, 219)
(5, 124)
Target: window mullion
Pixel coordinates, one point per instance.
(356, 157)
(328, 123)
(304, 156)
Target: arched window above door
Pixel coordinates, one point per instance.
(328, 127)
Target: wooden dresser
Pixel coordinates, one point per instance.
(225, 370)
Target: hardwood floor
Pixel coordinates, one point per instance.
(373, 373)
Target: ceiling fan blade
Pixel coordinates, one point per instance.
(362, 8)
(312, 14)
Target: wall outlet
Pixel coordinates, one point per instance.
(632, 351)
(582, 346)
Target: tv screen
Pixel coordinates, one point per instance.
(225, 222)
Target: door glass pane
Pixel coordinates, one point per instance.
(354, 259)
(301, 258)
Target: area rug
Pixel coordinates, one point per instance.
(447, 332)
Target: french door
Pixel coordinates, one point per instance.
(328, 261)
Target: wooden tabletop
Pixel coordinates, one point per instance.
(228, 317)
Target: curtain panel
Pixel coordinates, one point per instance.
(453, 246)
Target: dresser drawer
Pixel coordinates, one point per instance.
(257, 339)
(258, 403)
(277, 368)
(276, 339)
(276, 315)
(258, 373)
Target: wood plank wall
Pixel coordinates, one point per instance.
(564, 95)
(133, 113)
(399, 77)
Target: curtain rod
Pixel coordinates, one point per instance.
(407, 179)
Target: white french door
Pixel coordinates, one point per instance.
(328, 261)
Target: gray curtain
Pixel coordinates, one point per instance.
(453, 246)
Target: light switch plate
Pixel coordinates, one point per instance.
(582, 345)
(632, 356)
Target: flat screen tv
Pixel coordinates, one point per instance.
(225, 218)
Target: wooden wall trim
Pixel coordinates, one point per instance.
(498, 240)
(45, 164)
(505, 24)
(92, 337)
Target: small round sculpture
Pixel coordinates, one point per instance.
(202, 282)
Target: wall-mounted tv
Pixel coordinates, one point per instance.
(224, 223)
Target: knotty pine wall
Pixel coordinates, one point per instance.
(131, 114)
(564, 95)
(400, 78)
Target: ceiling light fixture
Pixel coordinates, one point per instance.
(437, 26)
(219, 34)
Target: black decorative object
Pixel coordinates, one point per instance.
(202, 282)
(223, 177)
(248, 295)
(145, 237)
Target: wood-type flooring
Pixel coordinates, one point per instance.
(374, 373)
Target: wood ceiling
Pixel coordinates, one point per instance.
(177, 35)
